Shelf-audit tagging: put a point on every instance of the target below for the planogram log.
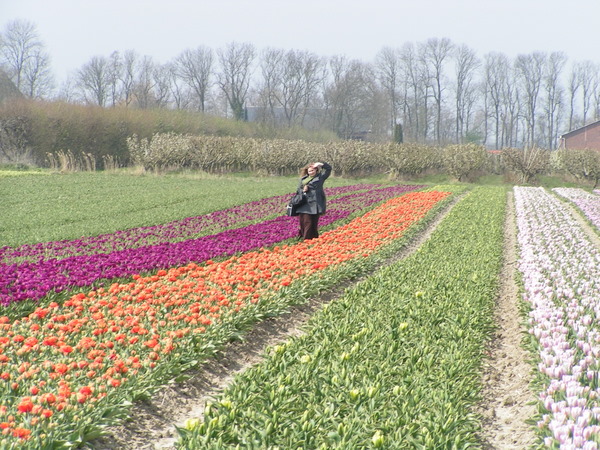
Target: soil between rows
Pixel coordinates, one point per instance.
(507, 400)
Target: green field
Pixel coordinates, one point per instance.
(41, 207)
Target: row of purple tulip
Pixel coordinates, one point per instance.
(560, 269)
(33, 280)
(179, 230)
(588, 203)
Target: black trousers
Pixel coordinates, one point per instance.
(309, 225)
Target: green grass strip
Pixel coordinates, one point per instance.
(394, 363)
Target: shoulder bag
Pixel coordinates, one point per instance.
(297, 199)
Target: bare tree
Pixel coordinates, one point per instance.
(145, 83)
(290, 85)
(195, 68)
(314, 72)
(511, 115)
(19, 41)
(376, 105)
(234, 79)
(494, 79)
(574, 85)
(335, 93)
(415, 93)
(523, 101)
(485, 112)
(114, 74)
(180, 91)
(596, 93)
(348, 97)
(269, 91)
(470, 103)
(93, 81)
(434, 53)
(129, 75)
(389, 71)
(299, 79)
(553, 101)
(589, 79)
(68, 90)
(466, 64)
(162, 87)
(25, 60)
(530, 69)
(38, 81)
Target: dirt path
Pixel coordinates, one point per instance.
(507, 398)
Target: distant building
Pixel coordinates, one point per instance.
(312, 117)
(582, 138)
(360, 135)
(309, 118)
(8, 89)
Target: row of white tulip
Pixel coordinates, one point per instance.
(560, 269)
(587, 202)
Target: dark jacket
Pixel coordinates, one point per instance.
(316, 202)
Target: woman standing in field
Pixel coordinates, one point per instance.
(311, 184)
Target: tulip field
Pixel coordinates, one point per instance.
(396, 360)
(32, 271)
(560, 269)
(90, 326)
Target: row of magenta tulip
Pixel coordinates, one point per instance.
(33, 280)
(394, 363)
(175, 231)
(560, 269)
(66, 368)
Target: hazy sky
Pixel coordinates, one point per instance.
(74, 31)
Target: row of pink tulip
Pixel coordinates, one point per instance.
(560, 269)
